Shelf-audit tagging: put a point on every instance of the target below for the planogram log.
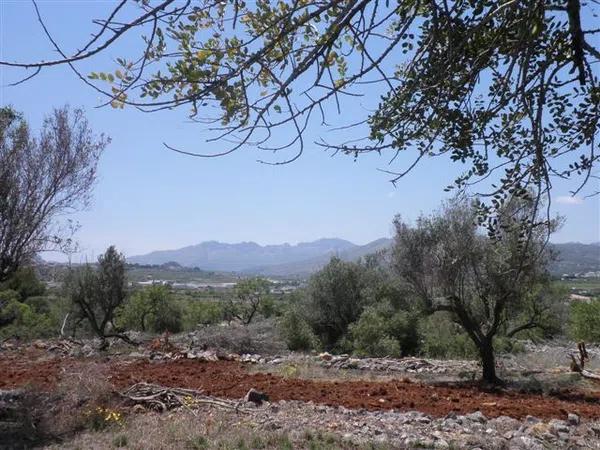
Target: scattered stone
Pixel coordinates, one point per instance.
(477, 416)
(558, 426)
(573, 419)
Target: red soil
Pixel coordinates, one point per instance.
(231, 380)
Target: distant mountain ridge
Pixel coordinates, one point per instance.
(244, 256)
(305, 258)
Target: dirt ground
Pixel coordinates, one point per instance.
(231, 379)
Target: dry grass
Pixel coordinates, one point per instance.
(211, 429)
(313, 371)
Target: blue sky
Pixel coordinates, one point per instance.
(149, 198)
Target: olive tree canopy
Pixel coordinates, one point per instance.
(508, 87)
(490, 287)
(41, 180)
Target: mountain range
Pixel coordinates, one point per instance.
(305, 258)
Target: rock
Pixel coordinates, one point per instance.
(451, 415)
(538, 429)
(573, 419)
(40, 344)
(526, 443)
(558, 426)
(256, 397)
(532, 420)
(477, 416)
(325, 356)
(441, 443)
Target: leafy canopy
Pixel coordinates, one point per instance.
(507, 87)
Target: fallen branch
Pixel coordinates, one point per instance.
(62, 329)
(162, 398)
(579, 367)
(591, 375)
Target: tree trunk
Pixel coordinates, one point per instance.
(488, 362)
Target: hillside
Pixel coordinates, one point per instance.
(244, 256)
(305, 258)
(575, 258)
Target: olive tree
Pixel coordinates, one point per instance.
(249, 295)
(41, 180)
(485, 284)
(99, 291)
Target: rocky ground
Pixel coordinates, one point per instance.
(308, 425)
(315, 401)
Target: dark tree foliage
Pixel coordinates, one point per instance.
(509, 88)
(42, 179)
(337, 296)
(99, 291)
(25, 282)
(490, 287)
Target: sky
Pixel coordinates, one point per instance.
(149, 198)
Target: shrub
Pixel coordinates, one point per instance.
(584, 321)
(18, 319)
(151, 309)
(336, 297)
(297, 333)
(383, 331)
(25, 282)
(198, 312)
(167, 318)
(442, 338)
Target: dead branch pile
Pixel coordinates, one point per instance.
(162, 398)
(64, 346)
(579, 366)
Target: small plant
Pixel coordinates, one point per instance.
(289, 370)
(189, 401)
(120, 441)
(100, 418)
(198, 443)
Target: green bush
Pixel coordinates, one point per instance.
(151, 309)
(336, 297)
(442, 338)
(26, 313)
(297, 333)
(20, 320)
(383, 331)
(584, 320)
(167, 317)
(25, 282)
(198, 312)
